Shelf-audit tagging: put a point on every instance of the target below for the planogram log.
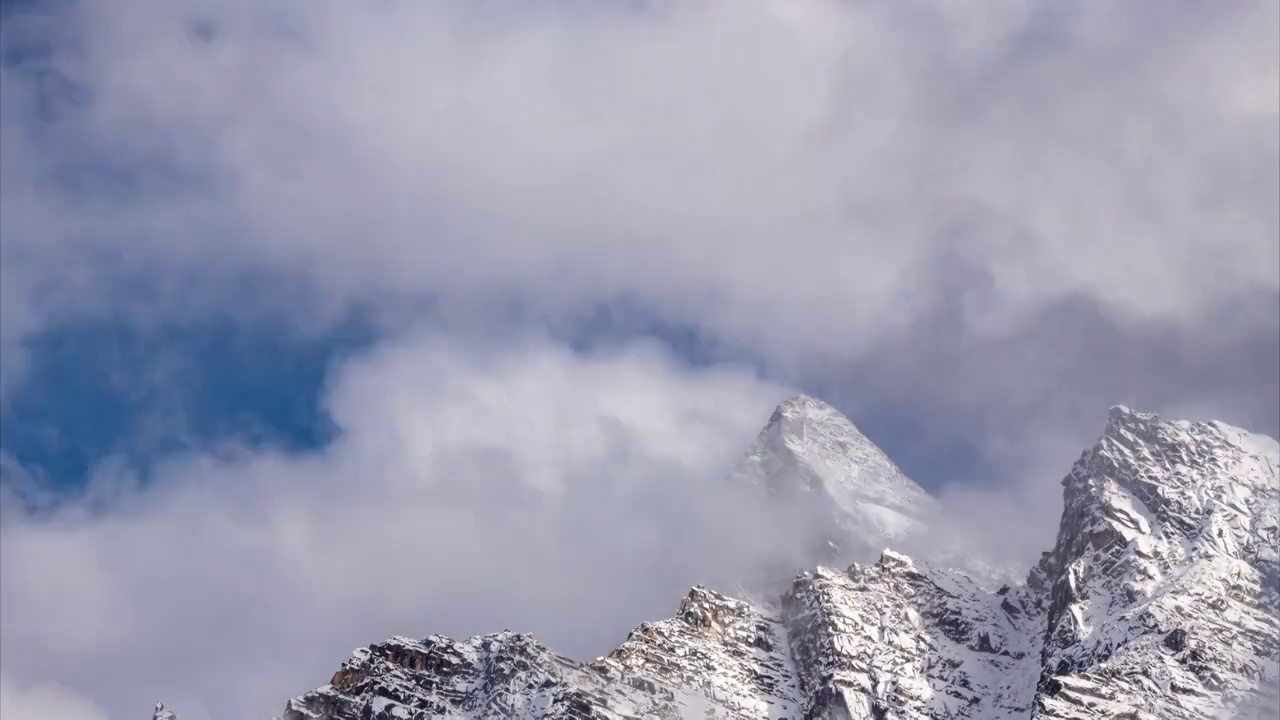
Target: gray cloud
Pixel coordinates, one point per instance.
(1010, 414)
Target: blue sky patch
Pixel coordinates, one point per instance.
(107, 388)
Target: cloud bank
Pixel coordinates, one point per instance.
(768, 170)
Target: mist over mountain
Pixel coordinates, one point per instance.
(1157, 600)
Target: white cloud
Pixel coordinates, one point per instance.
(569, 495)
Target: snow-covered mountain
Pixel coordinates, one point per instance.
(830, 484)
(1158, 600)
(854, 499)
(1160, 597)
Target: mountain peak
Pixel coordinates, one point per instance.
(793, 418)
(801, 404)
(1150, 479)
(1122, 418)
(807, 425)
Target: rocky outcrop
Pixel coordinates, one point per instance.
(1158, 600)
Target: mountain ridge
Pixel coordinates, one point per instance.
(1156, 601)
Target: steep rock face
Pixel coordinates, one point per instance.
(1161, 589)
(1158, 600)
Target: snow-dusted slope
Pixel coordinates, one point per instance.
(1158, 600)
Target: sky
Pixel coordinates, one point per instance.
(322, 322)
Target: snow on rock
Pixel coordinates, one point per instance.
(900, 639)
(1158, 600)
(1160, 593)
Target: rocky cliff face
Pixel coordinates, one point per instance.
(1158, 600)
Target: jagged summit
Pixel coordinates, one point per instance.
(1157, 602)
(803, 405)
(1121, 410)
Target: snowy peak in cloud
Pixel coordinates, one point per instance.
(1157, 601)
(811, 456)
